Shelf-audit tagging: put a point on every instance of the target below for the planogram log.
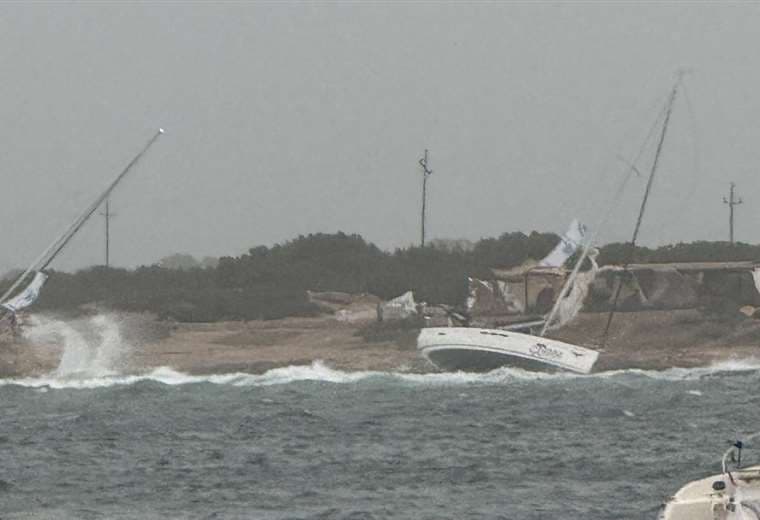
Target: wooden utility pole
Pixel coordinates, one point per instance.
(425, 174)
(731, 201)
(107, 216)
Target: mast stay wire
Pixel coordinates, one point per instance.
(631, 169)
(677, 214)
(650, 182)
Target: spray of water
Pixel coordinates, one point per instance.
(90, 348)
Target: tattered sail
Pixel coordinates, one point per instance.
(571, 301)
(568, 244)
(28, 296)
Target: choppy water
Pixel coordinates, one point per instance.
(310, 442)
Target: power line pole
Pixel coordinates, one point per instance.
(107, 216)
(731, 201)
(425, 174)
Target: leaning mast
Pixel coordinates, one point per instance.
(57, 246)
(642, 208)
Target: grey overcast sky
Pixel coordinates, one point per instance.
(290, 118)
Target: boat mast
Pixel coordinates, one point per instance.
(57, 246)
(95, 205)
(637, 228)
(568, 284)
(614, 203)
(587, 246)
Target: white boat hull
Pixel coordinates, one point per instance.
(719, 497)
(482, 350)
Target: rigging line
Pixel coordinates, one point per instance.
(729, 452)
(686, 197)
(602, 222)
(650, 134)
(662, 102)
(696, 139)
(637, 228)
(586, 249)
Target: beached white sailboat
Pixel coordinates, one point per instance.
(472, 349)
(481, 350)
(11, 302)
(733, 494)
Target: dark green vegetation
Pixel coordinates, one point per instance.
(269, 283)
(701, 251)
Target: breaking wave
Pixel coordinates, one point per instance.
(319, 372)
(91, 348)
(687, 374)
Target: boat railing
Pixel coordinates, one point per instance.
(733, 455)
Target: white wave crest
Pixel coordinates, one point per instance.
(688, 374)
(319, 372)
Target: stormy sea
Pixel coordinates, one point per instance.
(310, 442)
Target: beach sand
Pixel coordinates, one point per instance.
(648, 340)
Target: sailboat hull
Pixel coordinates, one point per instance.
(482, 350)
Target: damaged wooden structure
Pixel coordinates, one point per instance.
(656, 286)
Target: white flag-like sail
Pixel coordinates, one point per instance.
(568, 244)
(28, 296)
(568, 307)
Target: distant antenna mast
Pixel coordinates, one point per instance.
(731, 201)
(425, 174)
(107, 216)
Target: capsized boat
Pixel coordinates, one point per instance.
(733, 494)
(482, 350)
(472, 349)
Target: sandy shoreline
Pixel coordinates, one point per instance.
(647, 340)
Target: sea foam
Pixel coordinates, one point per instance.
(93, 351)
(319, 372)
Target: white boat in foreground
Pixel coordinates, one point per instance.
(481, 350)
(733, 494)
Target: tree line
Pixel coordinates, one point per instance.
(271, 282)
